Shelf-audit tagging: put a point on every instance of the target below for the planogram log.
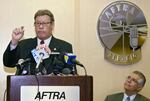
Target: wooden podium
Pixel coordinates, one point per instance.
(14, 84)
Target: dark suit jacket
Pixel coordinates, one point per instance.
(23, 51)
(119, 97)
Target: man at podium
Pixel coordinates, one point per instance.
(23, 51)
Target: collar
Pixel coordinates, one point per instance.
(47, 41)
(132, 97)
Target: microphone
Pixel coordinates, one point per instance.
(66, 71)
(39, 59)
(71, 59)
(58, 65)
(39, 56)
(21, 67)
(22, 61)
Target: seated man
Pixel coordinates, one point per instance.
(133, 84)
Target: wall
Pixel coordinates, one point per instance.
(76, 22)
(108, 78)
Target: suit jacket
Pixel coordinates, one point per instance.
(23, 51)
(119, 97)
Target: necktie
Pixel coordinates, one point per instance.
(42, 42)
(128, 98)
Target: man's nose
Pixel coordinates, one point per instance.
(41, 26)
(129, 80)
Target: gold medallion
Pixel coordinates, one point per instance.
(122, 29)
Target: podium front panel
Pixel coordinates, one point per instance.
(15, 83)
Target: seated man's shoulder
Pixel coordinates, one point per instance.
(114, 97)
(143, 98)
(116, 94)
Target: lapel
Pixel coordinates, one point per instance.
(34, 43)
(52, 45)
(138, 98)
(48, 62)
(115, 97)
(120, 97)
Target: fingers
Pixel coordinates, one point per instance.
(46, 48)
(18, 31)
(22, 27)
(40, 46)
(17, 34)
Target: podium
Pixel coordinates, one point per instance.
(82, 85)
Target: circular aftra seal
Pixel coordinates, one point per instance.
(122, 29)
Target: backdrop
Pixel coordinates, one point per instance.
(76, 22)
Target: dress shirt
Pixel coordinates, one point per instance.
(131, 97)
(46, 42)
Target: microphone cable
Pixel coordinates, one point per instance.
(38, 84)
(85, 70)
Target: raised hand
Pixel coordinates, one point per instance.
(17, 34)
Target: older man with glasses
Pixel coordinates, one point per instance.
(132, 85)
(21, 49)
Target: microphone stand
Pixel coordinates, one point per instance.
(73, 70)
(19, 69)
(29, 68)
(38, 72)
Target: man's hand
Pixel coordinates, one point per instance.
(46, 48)
(17, 34)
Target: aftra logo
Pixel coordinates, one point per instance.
(51, 95)
(122, 30)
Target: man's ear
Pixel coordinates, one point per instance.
(139, 87)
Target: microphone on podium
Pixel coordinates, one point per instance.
(58, 65)
(23, 66)
(39, 56)
(22, 61)
(71, 59)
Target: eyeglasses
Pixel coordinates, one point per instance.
(37, 24)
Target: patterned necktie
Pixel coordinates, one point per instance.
(128, 98)
(42, 42)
